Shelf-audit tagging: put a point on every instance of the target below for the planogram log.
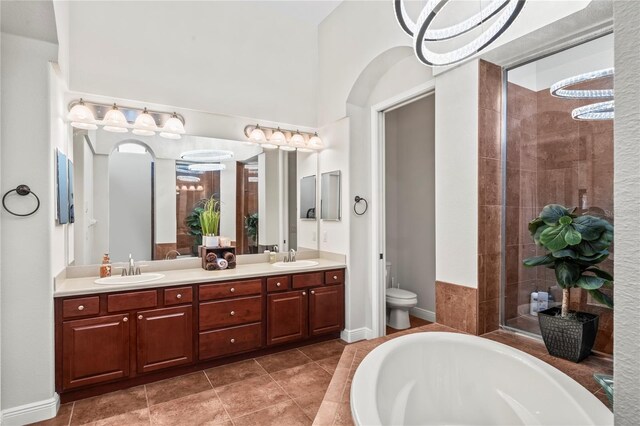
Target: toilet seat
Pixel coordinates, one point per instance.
(400, 294)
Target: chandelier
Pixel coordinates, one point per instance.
(597, 111)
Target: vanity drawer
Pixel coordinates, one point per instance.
(132, 301)
(81, 307)
(313, 279)
(230, 312)
(230, 341)
(334, 277)
(176, 296)
(278, 283)
(232, 289)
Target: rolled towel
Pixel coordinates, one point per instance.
(222, 264)
(229, 257)
(211, 257)
(211, 266)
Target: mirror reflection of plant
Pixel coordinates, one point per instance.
(193, 223)
(575, 246)
(251, 225)
(210, 217)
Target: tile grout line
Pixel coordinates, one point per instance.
(146, 397)
(219, 399)
(287, 393)
(73, 405)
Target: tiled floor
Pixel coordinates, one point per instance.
(336, 409)
(285, 388)
(414, 322)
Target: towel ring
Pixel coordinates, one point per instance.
(22, 190)
(355, 206)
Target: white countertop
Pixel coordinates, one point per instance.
(85, 285)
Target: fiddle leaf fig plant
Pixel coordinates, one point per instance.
(575, 246)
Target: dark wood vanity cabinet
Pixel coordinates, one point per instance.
(164, 338)
(115, 340)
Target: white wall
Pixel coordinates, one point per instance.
(236, 58)
(626, 352)
(28, 83)
(457, 175)
(410, 199)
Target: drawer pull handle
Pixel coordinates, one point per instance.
(277, 284)
(335, 277)
(139, 316)
(232, 289)
(232, 313)
(81, 308)
(304, 293)
(178, 296)
(233, 340)
(313, 292)
(125, 319)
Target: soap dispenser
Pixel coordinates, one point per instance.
(105, 268)
(272, 254)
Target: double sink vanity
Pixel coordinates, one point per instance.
(116, 335)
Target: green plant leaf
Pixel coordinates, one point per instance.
(590, 227)
(591, 248)
(534, 225)
(593, 260)
(589, 282)
(601, 297)
(567, 273)
(567, 252)
(572, 237)
(552, 213)
(600, 273)
(553, 237)
(539, 231)
(539, 260)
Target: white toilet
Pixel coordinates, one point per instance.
(399, 302)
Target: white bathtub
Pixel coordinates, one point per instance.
(457, 379)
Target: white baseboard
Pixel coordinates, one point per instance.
(424, 314)
(31, 413)
(354, 335)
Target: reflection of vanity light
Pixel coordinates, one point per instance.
(183, 178)
(253, 179)
(132, 148)
(207, 167)
(208, 155)
(199, 188)
(192, 188)
(183, 188)
(251, 166)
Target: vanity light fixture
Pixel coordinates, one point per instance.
(286, 140)
(207, 167)
(597, 111)
(145, 125)
(115, 121)
(505, 10)
(81, 117)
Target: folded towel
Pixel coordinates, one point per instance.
(229, 257)
(222, 264)
(211, 257)
(211, 266)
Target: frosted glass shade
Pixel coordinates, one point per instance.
(173, 125)
(277, 137)
(257, 135)
(297, 140)
(315, 142)
(145, 125)
(80, 113)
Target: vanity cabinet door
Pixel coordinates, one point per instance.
(326, 310)
(95, 350)
(165, 338)
(286, 317)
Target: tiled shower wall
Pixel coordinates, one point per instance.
(552, 158)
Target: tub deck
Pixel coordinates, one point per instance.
(336, 410)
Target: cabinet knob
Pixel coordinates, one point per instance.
(232, 289)
(313, 292)
(178, 296)
(81, 308)
(232, 313)
(335, 277)
(304, 293)
(125, 319)
(233, 340)
(139, 316)
(277, 284)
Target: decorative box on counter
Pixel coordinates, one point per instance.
(218, 258)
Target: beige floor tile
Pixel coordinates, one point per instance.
(132, 418)
(283, 360)
(329, 364)
(108, 405)
(250, 395)
(231, 373)
(303, 380)
(310, 403)
(177, 387)
(204, 408)
(284, 414)
(323, 350)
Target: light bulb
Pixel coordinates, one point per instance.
(115, 121)
(257, 135)
(145, 125)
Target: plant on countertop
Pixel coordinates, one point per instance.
(575, 246)
(251, 224)
(210, 217)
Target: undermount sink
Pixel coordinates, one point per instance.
(130, 279)
(296, 264)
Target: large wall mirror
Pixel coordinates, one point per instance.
(142, 195)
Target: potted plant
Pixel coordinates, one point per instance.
(210, 222)
(574, 245)
(251, 224)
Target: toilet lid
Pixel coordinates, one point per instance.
(398, 293)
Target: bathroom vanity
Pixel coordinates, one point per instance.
(111, 339)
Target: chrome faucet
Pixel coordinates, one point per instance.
(291, 257)
(132, 270)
